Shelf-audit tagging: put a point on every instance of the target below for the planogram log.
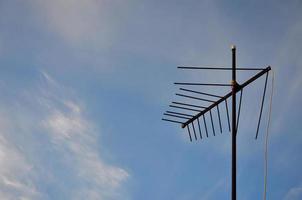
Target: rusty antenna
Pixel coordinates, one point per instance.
(193, 116)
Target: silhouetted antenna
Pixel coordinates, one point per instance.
(193, 112)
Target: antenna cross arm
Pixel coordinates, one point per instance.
(238, 88)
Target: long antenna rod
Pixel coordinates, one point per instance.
(234, 85)
(219, 68)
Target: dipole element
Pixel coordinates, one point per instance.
(234, 87)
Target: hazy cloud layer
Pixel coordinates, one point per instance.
(81, 22)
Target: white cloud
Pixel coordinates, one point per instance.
(46, 136)
(69, 130)
(294, 193)
(15, 173)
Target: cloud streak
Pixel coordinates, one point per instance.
(74, 136)
(59, 151)
(15, 173)
(294, 193)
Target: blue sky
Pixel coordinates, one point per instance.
(84, 85)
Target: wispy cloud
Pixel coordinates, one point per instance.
(294, 193)
(74, 136)
(15, 173)
(49, 143)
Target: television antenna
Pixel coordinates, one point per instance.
(196, 113)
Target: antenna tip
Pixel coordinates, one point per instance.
(233, 47)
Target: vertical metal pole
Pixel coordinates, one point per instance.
(234, 84)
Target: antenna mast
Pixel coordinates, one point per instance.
(234, 139)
